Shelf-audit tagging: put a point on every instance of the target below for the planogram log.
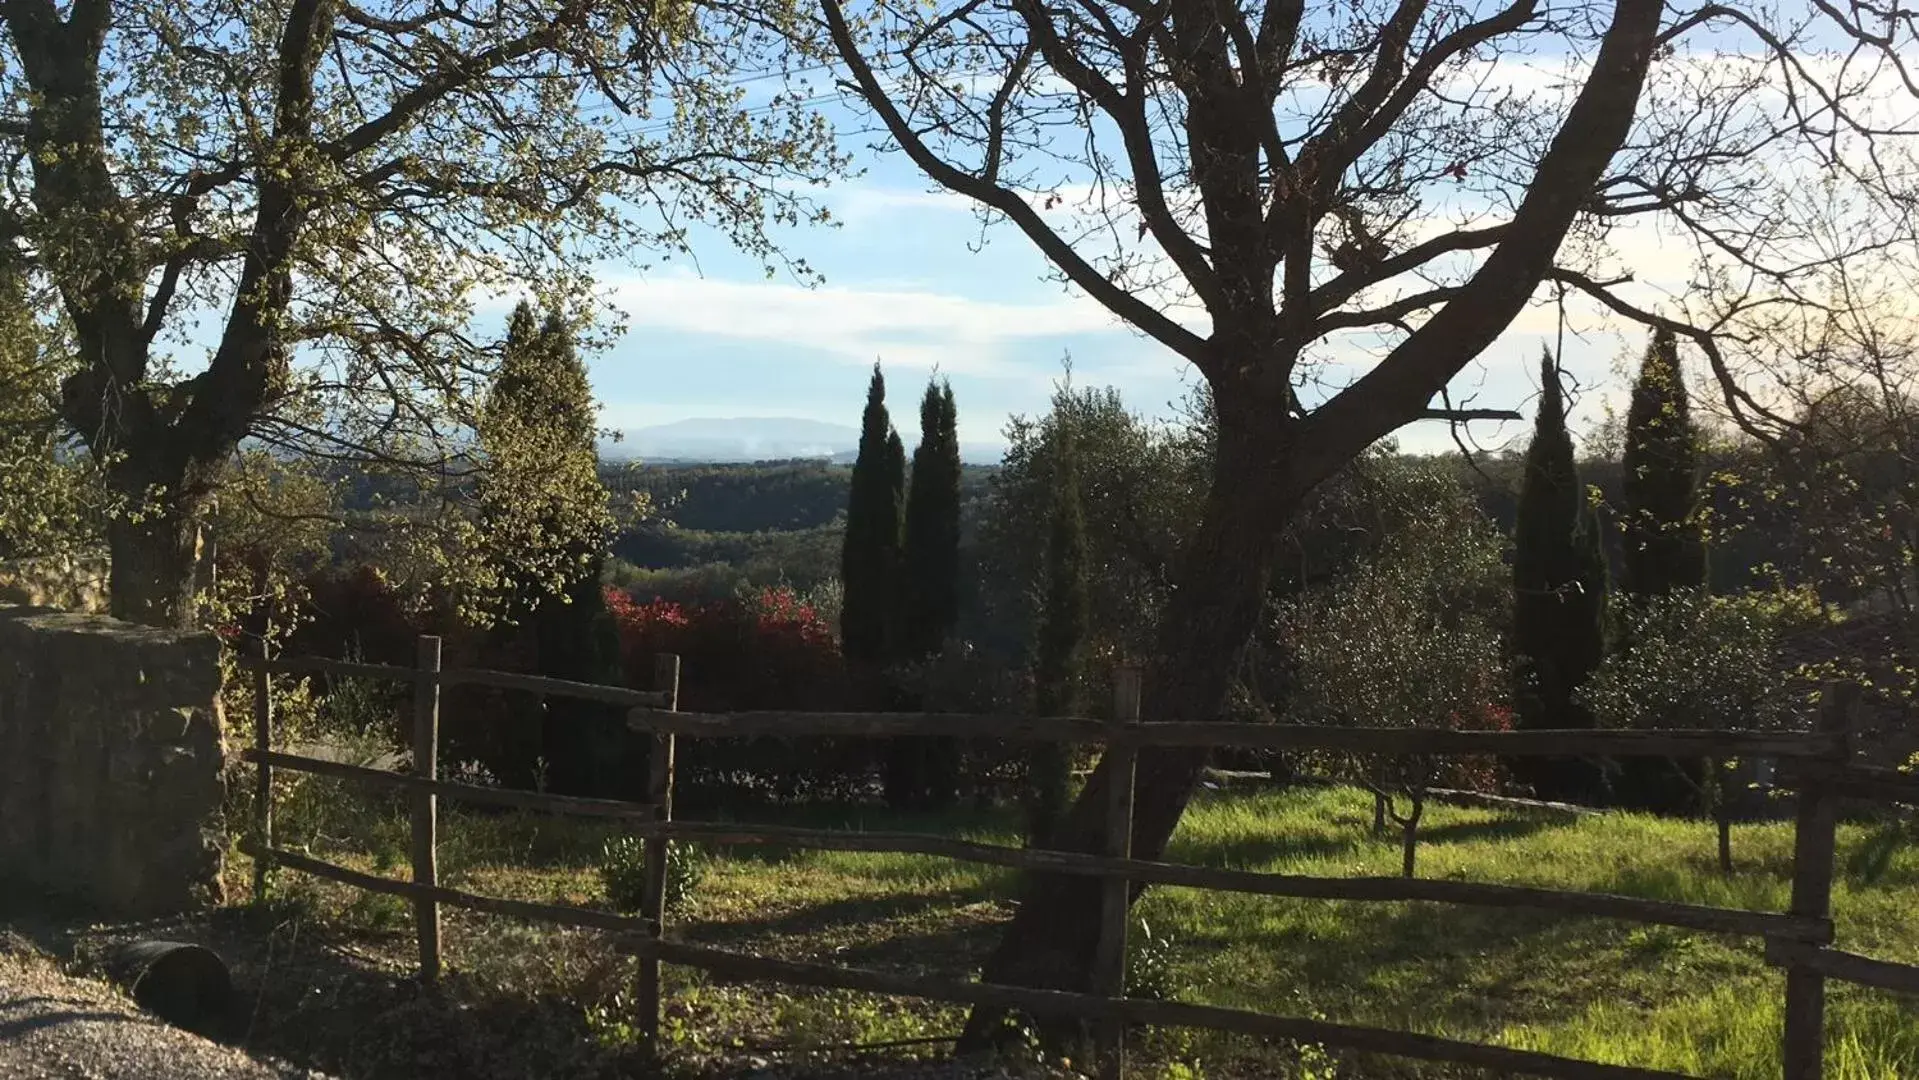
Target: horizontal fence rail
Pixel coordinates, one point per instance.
(1659, 912)
(503, 680)
(1845, 966)
(1854, 781)
(473, 793)
(1204, 734)
(560, 914)
(1817, 764)
(322, 665)
(1140, 1011)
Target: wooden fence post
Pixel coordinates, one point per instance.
(1814, 841)
(426, 809)
(263, 773)
(1109, 958)
(659, 791)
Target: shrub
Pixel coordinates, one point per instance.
(768, 649)
(1700, 661)
(1150, 956)
(622, 872)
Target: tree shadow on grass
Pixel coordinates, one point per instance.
(850, 916)
(1257, 850)
(1498, 830)
(953, 951)
(1429, 965)
(349, 1005)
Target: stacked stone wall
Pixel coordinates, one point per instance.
(111, 756)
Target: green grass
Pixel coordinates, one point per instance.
(1599, 989)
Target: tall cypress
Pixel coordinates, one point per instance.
(930, 591)
(1659, 532)
(922, 770)
(870, 550)
(1663, 549)
(1559, 585)
(1061, 633)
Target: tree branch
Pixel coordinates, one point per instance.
(1403, 383)
(1119, 301)
(1128, 112)
(1464, 415)
(1351, 282)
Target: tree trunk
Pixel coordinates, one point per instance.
(1213, 610)
(1722, 815)
(1409, 834)
(154, 559)
(1379, 813)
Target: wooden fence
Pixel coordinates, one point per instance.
(1817, 764)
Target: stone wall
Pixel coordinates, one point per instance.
(111, 752)
(67, 582)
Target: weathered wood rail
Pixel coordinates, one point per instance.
(1816, 763)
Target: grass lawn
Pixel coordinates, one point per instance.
(1600, 989)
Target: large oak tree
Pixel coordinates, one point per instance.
(331, 186)
(1249, 182)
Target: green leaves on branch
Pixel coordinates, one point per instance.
(51, 501)
(1702, 661)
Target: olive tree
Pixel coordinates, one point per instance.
(1702, 661)
(333, 186)
(1410, 638)
(1253, 184)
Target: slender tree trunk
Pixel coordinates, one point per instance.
(1206, 625)
(1379, 813)
(1409, 833)
(1722, 814)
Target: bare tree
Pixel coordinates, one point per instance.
(334, 185)
(1252, 183)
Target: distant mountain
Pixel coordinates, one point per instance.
(758, 438)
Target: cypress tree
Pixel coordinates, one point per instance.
(1559, 602)
(928, 770)
(870, 550)
(1663, 548)
(930, 591)
(1061, 632)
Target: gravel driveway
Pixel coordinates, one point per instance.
(56, 1027)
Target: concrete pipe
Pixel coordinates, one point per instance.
(184, 984)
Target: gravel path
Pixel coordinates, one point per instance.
(56, 1027)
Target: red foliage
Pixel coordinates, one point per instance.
(1484, 774)
(772, 652)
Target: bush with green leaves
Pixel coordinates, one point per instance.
(1408, 638)
(1703, 661)
(622, 873)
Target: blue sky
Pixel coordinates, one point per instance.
(907, 284)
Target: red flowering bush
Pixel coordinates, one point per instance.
(766, 651)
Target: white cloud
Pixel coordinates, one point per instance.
(859, 204)
(907, 328)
